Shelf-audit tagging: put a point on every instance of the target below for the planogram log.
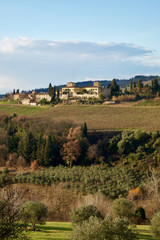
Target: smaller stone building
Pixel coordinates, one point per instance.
(31, 98)
(16, 96)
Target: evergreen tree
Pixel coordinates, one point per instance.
(28, 147)
(155, 85)
(131, 86)
(14, 91)
(50, 90)
(13, 143)
(58, 94)
(84, 130)
(53, 97)
(134, 84)
(140, 84)
(17, 91)
(52, 93)
(48, 152)
(40, 149)
(113, 89)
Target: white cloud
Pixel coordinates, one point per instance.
(103, 49)
(149, 60)
(8, 45)
(30, 63)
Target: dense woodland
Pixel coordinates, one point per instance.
(23, 142)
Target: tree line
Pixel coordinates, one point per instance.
(139, 89)
(74, 146)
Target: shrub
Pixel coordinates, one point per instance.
(43, 101)
(155, 225)
(140, 215)
(92, 229)
(5, 171)
(34, 165)
(122, 208)
(121, 230)
(124, 98)
(83, 213)
(97, 229)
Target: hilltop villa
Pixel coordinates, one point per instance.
(71, 91)
(66, 93)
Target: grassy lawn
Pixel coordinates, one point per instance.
(62, 231)
(22, 110)
(52, 231)
(144, 233)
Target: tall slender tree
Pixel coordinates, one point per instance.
(140, 84)
(50, 90)
(48, 152)
(58, 94)
(113, 89)
(131, 86)
(84, 130)
(155, 85)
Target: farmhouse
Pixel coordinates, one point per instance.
(16, 96)
(31, 98)
(71, 91)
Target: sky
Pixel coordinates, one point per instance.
(56, 41)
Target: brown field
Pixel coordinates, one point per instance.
(98, 117)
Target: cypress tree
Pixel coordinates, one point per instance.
(40, 152)
(50, 90)
(131, 86)
(140, 84)
(53, 95)
(155, 85)
(113, 89)
(28, 147)
(84, 130)
(48, 152)
(134, 84)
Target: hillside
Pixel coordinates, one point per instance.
(50, 160)
(98, 117)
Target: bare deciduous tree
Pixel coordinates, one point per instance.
(71, 152)
(10, 204)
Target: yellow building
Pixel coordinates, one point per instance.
(71, 91)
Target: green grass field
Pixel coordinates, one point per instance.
(62, 231)
(22, 110)
(52, 231)
(97, 117)
(144, 232)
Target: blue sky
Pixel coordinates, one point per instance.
(43, 41)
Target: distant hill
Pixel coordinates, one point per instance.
(120, 82)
